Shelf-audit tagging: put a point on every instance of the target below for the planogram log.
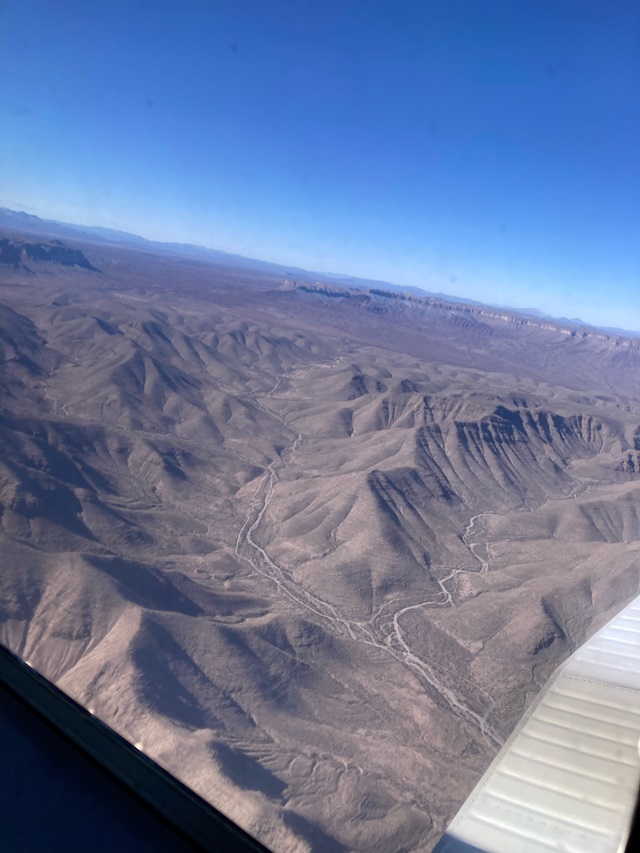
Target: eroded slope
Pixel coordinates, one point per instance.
(316, 565)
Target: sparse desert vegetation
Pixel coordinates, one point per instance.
(315, 548)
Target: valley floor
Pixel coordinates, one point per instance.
(316, 561)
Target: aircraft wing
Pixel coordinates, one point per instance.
(567, 778)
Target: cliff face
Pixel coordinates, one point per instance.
(393, 303)
(17, 252)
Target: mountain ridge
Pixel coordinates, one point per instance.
(317, 549)
(372, 301)
(19, 220)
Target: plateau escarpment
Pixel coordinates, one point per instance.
(16, 253)
(315, 558)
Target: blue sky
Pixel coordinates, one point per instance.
(484, 148)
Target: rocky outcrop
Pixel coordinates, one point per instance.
(463, 314)
(15, 253)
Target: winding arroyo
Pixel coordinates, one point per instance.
(315, 549)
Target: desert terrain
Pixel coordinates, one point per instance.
(314, 548)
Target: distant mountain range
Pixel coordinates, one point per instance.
(27, 223)
(314, 547)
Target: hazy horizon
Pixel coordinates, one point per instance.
(336, 275)
(315, 556)
(488, 152)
